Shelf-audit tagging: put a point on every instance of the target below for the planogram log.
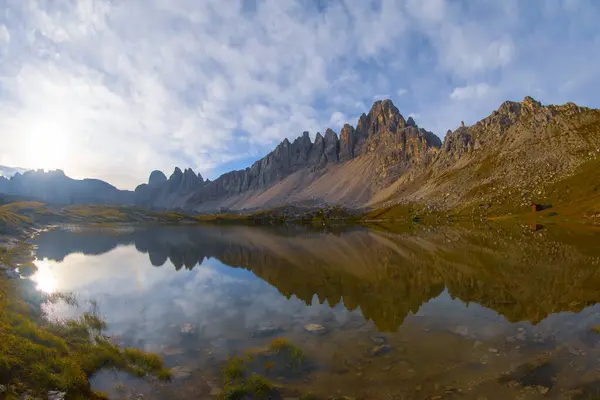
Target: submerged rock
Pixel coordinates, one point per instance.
(188, 329)
(379, 350)
(9, 273)
(56, 395)
(181, 372)
(265, 331)
(315, 329)
(379, 340)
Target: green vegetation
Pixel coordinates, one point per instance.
(239, 373)
(234, 370)
(15, 217)
(288, 214)
(11, 217)
(238, 384)
(255, 386)
(37, 356)
(283, 346)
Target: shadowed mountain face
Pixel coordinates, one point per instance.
(518, 272)
(56, 188)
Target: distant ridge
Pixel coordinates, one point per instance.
(56, 188)
(7, 172)
(521, 153)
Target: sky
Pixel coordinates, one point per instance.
(114, 89)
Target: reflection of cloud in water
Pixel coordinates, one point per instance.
(149, 305)
(386, 277)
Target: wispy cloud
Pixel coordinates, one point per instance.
(115, 89)
(471, 92)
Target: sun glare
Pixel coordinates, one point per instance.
(44, 277)
(47, 148)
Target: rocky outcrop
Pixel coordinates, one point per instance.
(162, 193)
(348, 141)
(383, 132)
(331, 146)
(157, 177)
(511, 158)
(55, 187)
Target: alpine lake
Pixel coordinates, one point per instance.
(494, 311)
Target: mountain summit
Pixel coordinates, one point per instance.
(330, 169)
(515, 152)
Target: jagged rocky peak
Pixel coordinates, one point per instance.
(156, 178)
(348, 140)
(315, 156)
(184, 181)
(518, 116)
(384, 117)
(331, 146)
(411, 122)
(190, 180)
(300, 150)
(531, 103)
(177, 174)
(510, 112)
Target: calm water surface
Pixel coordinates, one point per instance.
(496, 312)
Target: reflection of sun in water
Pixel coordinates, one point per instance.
(44, 277)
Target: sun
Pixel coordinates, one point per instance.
(47, 147)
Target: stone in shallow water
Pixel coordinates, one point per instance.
(173, 351)
(56, 395)
(265, 331)
(379, 340)
(181, 372)
(11, 274)
(461, 330)
(315, 329)
(379, 350)
(188, 329)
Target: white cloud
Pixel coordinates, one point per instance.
(4, 34)
(428, 11)
(198, 84)
(381, 97)
(338, 119)
(471, 92)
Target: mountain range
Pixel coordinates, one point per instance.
(56, 188)
(514, 156)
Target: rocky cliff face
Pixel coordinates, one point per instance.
(161, 192)
(394, 144)
(512, 157)
(56, 188)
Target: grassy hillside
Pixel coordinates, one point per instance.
(21, 215)
(576, 197)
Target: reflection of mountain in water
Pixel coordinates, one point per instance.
(521, 274)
